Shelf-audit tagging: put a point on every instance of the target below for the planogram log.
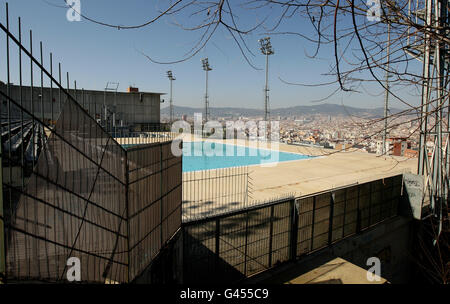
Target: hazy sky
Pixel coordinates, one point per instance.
(94, 55)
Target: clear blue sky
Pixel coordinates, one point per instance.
(94, 55)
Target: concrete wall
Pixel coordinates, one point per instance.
(167, 267)
(390, 241)
(132, 108)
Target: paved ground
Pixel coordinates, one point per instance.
(325, 172)
(337, 271)
(323, 270)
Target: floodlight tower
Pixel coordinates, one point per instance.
(266, 49)
(171, 78)
(386, 97)
(206, 68)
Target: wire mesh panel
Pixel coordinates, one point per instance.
(339, 211)
(376, 201)
(351, 211)
(130, 139)
(364, 204)
(387, 195)
(321, 220)
(144, 206)
(305, 221)
(232, 242)
(248, 241)
(235, 245)
(258, 240)
(172, 191)
(64, 187)
(239, 244)
(200, 255)
(282, 227)
(154, 201)
(69, 202)
(208, 193)
(70, 190)
(397, 186)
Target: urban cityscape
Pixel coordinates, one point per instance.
(340, 132)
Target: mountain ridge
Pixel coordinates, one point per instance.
(326, 109)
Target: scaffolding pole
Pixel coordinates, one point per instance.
(435, 67)
(423, 153)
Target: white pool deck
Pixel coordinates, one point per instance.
(329, 170)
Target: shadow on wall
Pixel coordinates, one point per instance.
(166, 268)
(205, 267)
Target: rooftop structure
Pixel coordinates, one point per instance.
(139, 111)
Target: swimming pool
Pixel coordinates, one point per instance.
(207, 155)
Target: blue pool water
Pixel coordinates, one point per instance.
(207, 155)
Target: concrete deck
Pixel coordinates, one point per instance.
(330, 169)
(325, 172)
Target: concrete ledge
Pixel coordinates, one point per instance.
(337, 271)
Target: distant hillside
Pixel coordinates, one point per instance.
(326, 109)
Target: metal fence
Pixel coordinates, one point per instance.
(245, 242)
(154, 201)
(211, 192)
(69, 189)
(130, 139)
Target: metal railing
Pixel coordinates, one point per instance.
(244, 242)
(131, 139)
(154, 201)
(211, 192)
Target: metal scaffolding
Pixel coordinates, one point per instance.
(426, 46)
(109, 121)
